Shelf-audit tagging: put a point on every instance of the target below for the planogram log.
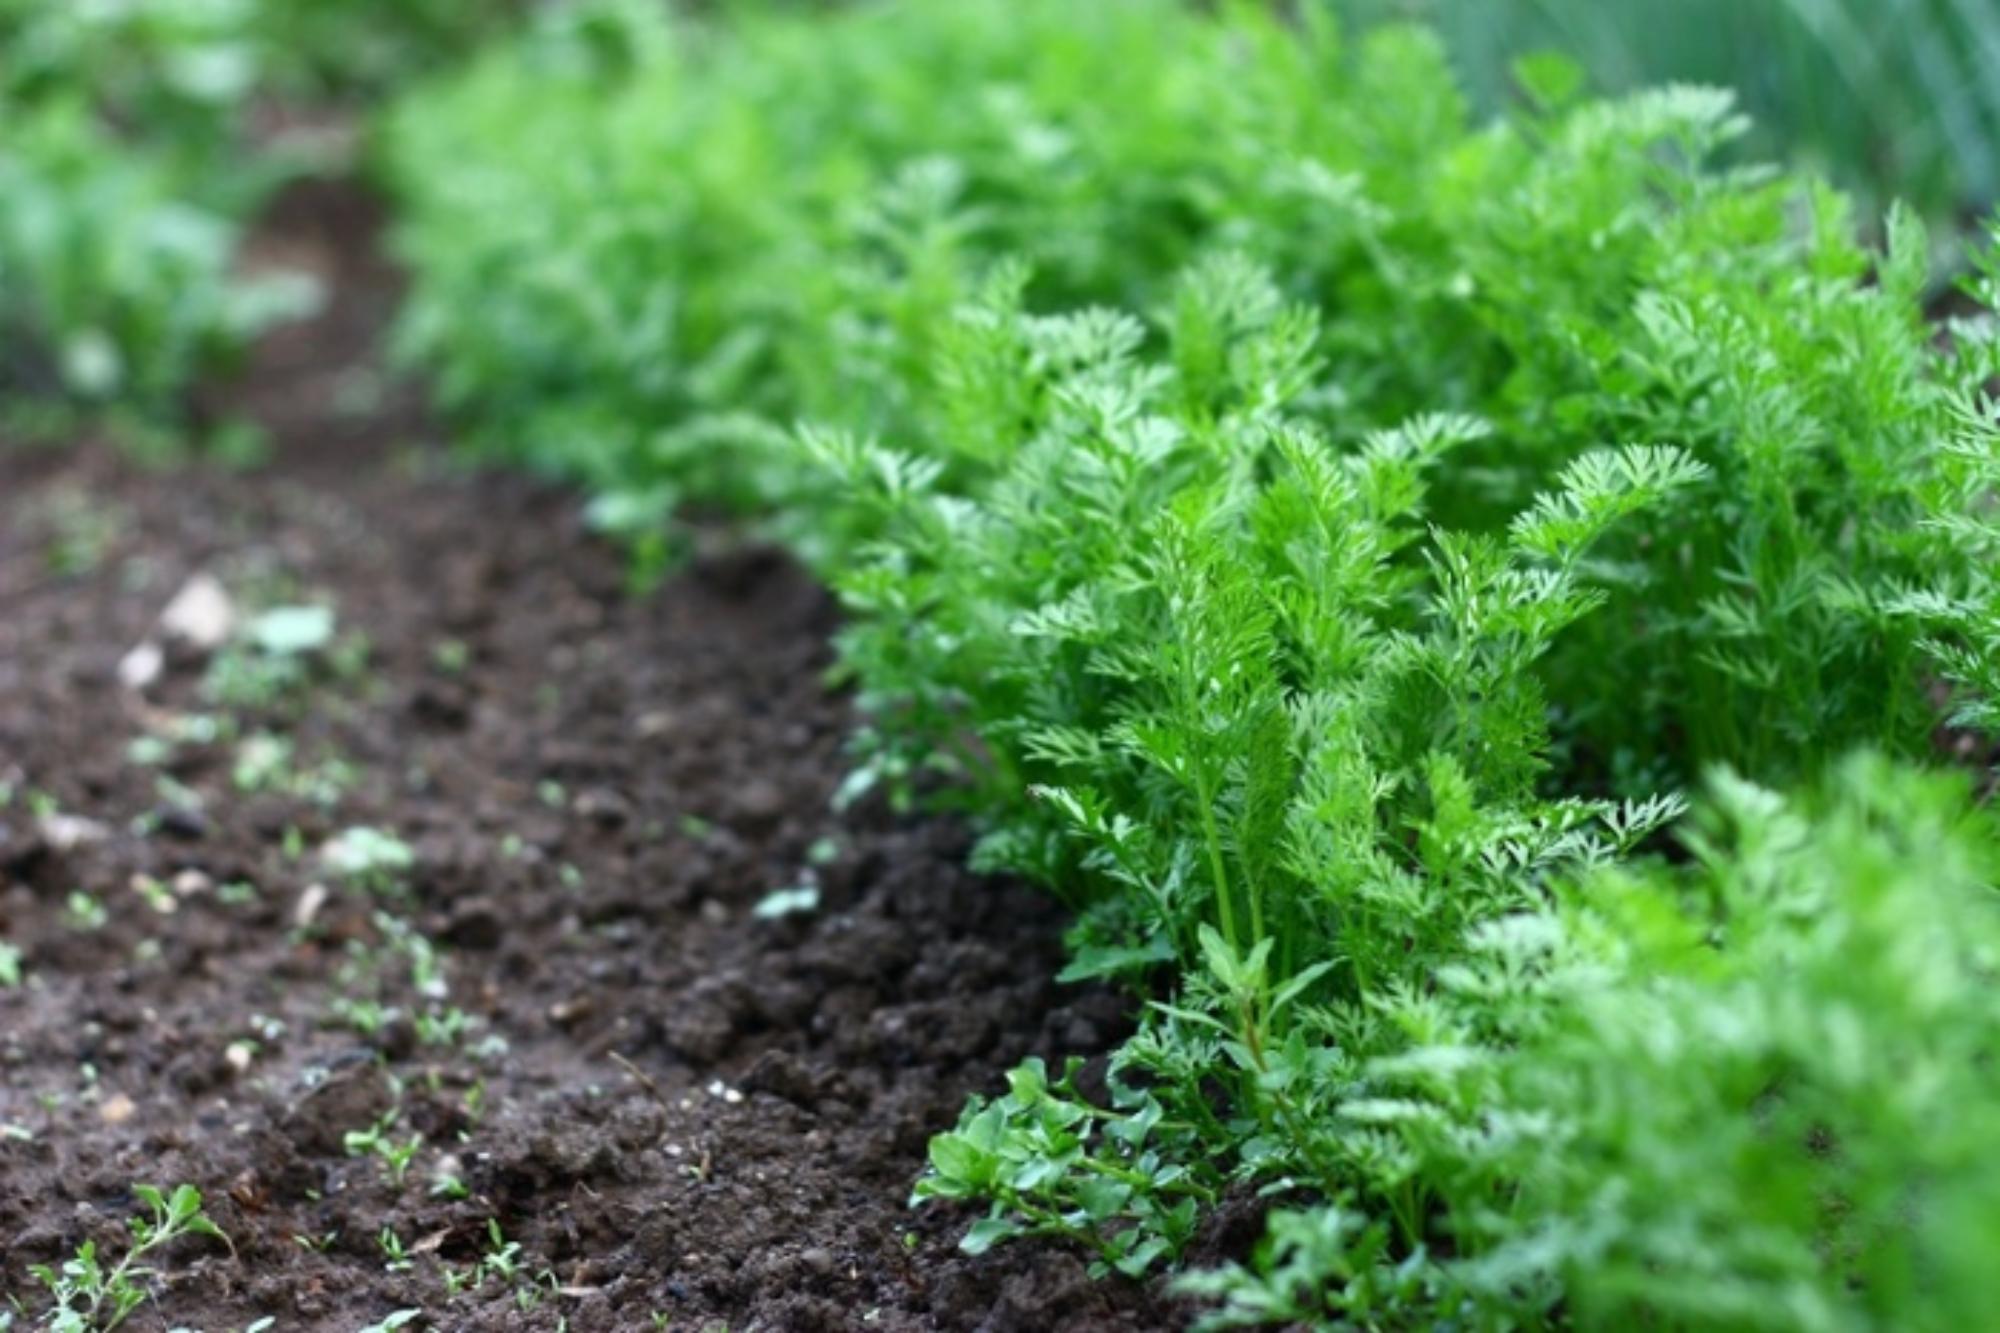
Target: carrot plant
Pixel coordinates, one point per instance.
(1322, 536)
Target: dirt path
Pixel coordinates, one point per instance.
(534, 1039)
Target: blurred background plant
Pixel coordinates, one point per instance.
(138, 140)
(1890, 98)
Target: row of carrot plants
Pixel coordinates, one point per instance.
(1470, 613)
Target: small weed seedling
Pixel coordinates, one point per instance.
(502, 1259)
(394, 1251)
(370, 859)
(400, 1319)
(85, 912)
(266, 762)
(366, 1017)
(157, 895)
(90, 1298)
(237, 893)
(270, 660)
(376, 1141)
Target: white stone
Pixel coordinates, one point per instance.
(201, 614)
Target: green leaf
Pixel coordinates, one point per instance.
(787, 902)
(958, 1159)
(292, 631)
(987, 1232)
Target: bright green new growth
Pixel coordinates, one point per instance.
(89, 1297)
(1321, 536)
(725, 231)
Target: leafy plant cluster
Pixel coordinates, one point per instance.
(89, 1294)
(1326, 537)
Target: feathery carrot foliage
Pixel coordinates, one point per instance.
(1324, 536)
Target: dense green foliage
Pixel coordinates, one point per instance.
(1323, 535)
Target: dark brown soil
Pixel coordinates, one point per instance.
(678, 1109)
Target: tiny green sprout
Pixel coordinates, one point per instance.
(236, 893)
(263, 762)
(824, 851)
(148, 751)
(451, 656)
(426, 969)
(366, 1017)
(369, 858)
(530, 1295)
(457, 1279)
(394, 1251)
(363, 1142)
(89, 1297)
(200, 728)
(173, 792)
(237, 679)
(442, 1027)
(398, 1156)
(503, 1257)
(375, 1141)
(448, 1186)
(319, 1244)
(85, 912)
(157, 895)
(551, 793)
(490, 1048)
(694, 826)
(10, 966)
(390, 1323)
(787, 902)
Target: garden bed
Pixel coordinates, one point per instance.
(672, 1032)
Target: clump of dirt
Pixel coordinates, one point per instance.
(610, 1019)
